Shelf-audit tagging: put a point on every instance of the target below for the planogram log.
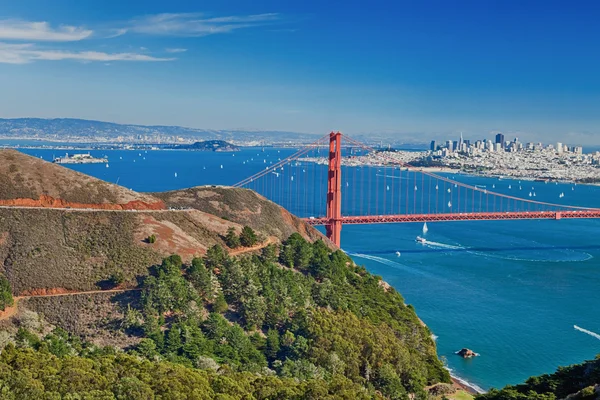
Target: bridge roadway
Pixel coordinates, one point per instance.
(477, 216)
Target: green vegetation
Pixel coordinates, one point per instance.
(232, 240)
(61, 367)
(297, 321)
(577, 381)
(151, 239)
(6, 298)
(248, 237)
(320, 318)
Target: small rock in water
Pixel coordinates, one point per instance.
(466, 353)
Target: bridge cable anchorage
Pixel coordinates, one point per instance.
(445, 200)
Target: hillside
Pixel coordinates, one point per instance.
(220, 284)
(83, 243)
(29, 181)
(243, 206)
(575, 382)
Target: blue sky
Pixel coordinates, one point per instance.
(416, 69)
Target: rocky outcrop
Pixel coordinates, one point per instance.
(51, 202)
(466, 353)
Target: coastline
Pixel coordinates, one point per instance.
(462, 384)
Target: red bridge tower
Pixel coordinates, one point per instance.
(334, 189)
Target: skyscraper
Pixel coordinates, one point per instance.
(433, 145)
(500, 138)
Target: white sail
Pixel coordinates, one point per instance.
(425, 229)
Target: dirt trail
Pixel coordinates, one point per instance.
(260, 246)
(11, 311)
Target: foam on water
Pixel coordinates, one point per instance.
(593, 334)
(465, 382)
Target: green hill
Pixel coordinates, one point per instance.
(575, 382)
(287, 316)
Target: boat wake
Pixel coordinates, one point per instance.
(389, 263)
(593, 334)
(437, 245)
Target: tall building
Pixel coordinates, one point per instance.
(500, 138)
(433, 145)
(559, 147)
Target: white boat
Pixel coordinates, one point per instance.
(175, 174)
(449, 204)
(420, 240)
(398, 254)
(510, 186)
(425, 229)
(530, 194)
(533, 194)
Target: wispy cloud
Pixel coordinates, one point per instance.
(11, 29)
(27, 53)
(175, 50)
(196, 24)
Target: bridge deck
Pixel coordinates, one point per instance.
(483, 216)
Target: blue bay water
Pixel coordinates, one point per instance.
(512, 291)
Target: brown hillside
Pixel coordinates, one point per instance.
(77, 249)
(31, 182)
(243, 206)
(78, 234)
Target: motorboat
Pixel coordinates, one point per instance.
(421, 240)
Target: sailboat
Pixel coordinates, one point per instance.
(425, 229)
(510, 186)
(530, 194)
(449, 204)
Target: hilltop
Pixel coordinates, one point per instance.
(28, 181)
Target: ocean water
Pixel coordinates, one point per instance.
(522, 294)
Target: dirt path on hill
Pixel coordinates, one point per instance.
(12, 310)
(260, 246)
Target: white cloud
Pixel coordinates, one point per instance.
(11, 29)
(175, 50)
(196, 24)
(26, 53)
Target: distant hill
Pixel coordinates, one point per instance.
(77, 130)
(207, 145)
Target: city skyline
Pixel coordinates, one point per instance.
(405, 70)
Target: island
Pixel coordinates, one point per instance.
(207, 145)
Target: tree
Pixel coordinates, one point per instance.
(215, 257)
(116, 279)
(201, 278)
(232, 240)
(248, 237)
(220, 305)
(6, 298)
(273, 345)
(151, 239)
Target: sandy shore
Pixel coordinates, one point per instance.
(462, 385)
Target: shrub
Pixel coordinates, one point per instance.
(6, 298)
(151, 239)
(232, 239)
(248, 237)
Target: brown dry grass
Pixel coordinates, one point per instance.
(26, 177)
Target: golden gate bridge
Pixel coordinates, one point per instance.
(323, 191)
